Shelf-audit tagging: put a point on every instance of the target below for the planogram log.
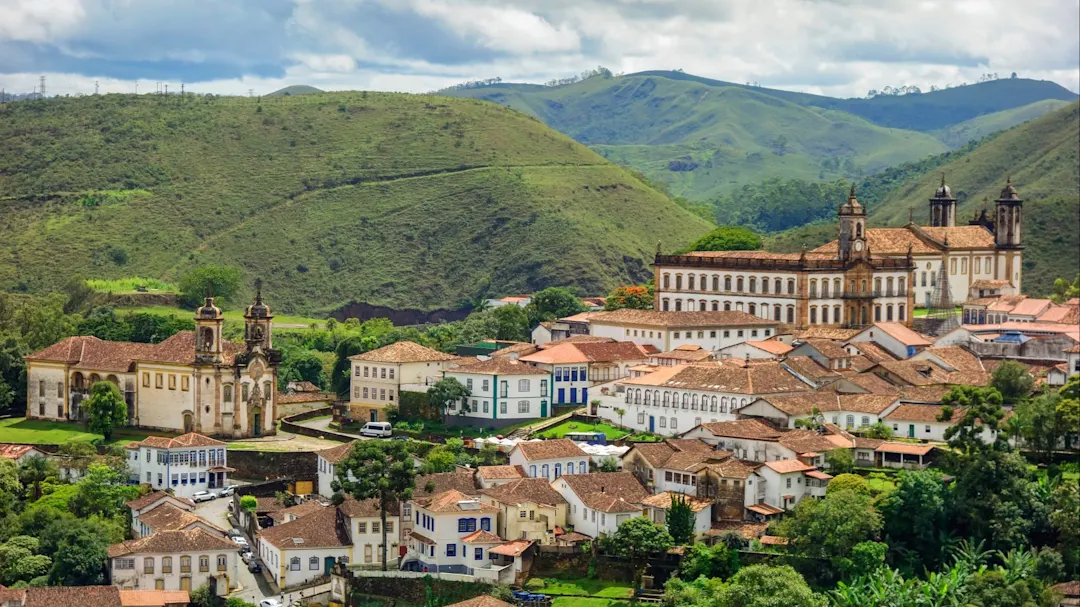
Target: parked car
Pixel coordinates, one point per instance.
(269, 603)
(202, 496)
(228, 490)
(234, 532)
(241, 542)
(254, 567)
(247, 558)
(377, 429)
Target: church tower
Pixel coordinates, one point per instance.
(1010, 209)
(852, 229)
(942, 207)
(257, 318)
(208, 323)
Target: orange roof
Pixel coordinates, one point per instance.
(452, 500)
(764, 508)
(664, 500)
(549, 449)
(787, 466)
(585, 352)
(513, 548)
(191, 439)
(732, 376)
(499, 366)
(905, 448)
(403, 352)
(1031, 307)
(153, 598)
(482, 537)
(16, 451)
(961, 237)
(887, 241)
(91, 353)
(771, 346)
(902, 334)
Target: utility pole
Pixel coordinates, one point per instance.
(166, 90)
(251, 92)
(181, 91)
(136, 87)
(95, 87)
(43, 87)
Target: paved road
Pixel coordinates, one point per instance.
(253, 587)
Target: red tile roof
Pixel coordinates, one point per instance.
(16, 451)
(191, 439)
(167, 542)
(743, 428)
(144, 501)
(767, 377)
(154, 598)
(512, 548)
(482, 537)
(498, 366)
(336, 454)
(607, 491)
(902, 334)
(549, 449)
(325, 528)
(536, 490)
(674, 320)
(787, 466)
(403, 352)
(453, 500)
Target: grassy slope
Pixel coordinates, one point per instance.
(977, 128)
(398, 200)
(649, 121)
(1043, 158)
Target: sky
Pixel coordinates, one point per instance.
(841, 48)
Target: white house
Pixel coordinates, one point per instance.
(493, 476)
(365, 531)
(19, 453)
(785, 483)
(528, 509)
(452, 534)
(151, 501)
(671, 400)
(770, 348)
(577, 366)
(845, 410)
(175, 560)
(549, 459)
(897, 339)
(501, 392)
(185, 464)
(600, 501)
(305, 548)
(920, 421)
(712, 330)
(656, 507)
(327, 460)
(380, 376)
(754, 440)
(826, 352)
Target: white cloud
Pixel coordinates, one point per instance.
(38, 20)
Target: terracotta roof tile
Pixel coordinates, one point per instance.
(873, 352)
(901, 333)
(325, 528)
(498, 366)
(462, 481)
(482, 537)
(787, 466)
(168, 517)
(144, 501)
(576, 339)
(452, 500)
(831, 349)
(335, 455)
(482, 601)
(804, 442)
(297, 511)
(767, 377)
(549, 449)
(920, 413)
(536, 490)
(521, 349)
(153, 598)
(689, 355)
(730, 318)
(771, 346)
(191, 439)
(826, 333)
(729, 468)
(166, 542)
(305, 397)
(809, 368)
(512, 548)
(607, 491)
(887, 241)
(905, 448)
(500, 472)
(663, 501)
(743, 428)
(962, 237)
(368, 508)
(403, 352)
(83, 596)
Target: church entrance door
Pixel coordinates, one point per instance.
(257, 430)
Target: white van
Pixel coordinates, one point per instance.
(377, 429)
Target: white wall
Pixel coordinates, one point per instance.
(162, 472)
(638, 414)
(132, 578)
(545, 468)
(588, 521)
(776, 486)
(668, 338)
(444, 531)
(537, 396)
(743, 448)
(53, 404)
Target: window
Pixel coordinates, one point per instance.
(374, 527)
(313, 563)
(391, 373)
(185, 564)
(900, 286)
(640, 420)
(146, 379)
(361, 527)
(790, 286)
(159, 380)
(952, 266)
(478, 554)
(185, 383)
(663, 422)
(294, 564)
(690, 282)
(850, 421)
(739, 284)
(451, 550)
(865, 421)
(468, 384)
(166, 564)
(825, 288)
(172, 381)
(674, 423)
(788, 483)
(244, 393)
(148, 564)
(523, 385)
(715, 283)
(222, 562)
(900, 312)
(543, 387)
(678, 282)
(764, 285)
(382, 373)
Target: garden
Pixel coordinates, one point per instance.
(42, 432)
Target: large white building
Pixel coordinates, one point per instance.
(667, 330)
(549, 459)
(501, 392)
(452, 534)
(185, 464)
(380, 376)
(194, 381)
(175, 560)
(577, 366)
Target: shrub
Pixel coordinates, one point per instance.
(534, 584)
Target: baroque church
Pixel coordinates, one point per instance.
(866, 275)
(194, 381)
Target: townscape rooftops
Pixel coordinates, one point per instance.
(141, 502)
(887, 241)
(482, 537)
(191, 439)
(428, 485)
(658, 454)
(754, 429)
(587, 352)
(607, 491)
(297, 511)
(168, 517)
(830, 349)
(920, 413)
(549, 449)
(536, 490)
(576, 339)
(1030, 306)
(804, 403)
(872, 352)
(961, 237)
(807, 442)
(728, 468)
(456, 501)
(83, 596)
(335, 455)
(153, 598)
(493, 473)
(664, 500)
(368, 508)
(766, 377)
(685, 353)
(499, 366)
(9, 451)
(904, 448)
(403, 352)
(324, 528)
(673, 320)
(958, 358)
(512, 548)
(901, 333)
(771, 346)
(825, 333)
(166, 542)
(809, 368)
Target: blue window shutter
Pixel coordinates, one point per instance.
(461, 524)
(485, 524)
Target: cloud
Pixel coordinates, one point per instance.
(834, 47)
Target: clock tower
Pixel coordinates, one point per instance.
(852, 217)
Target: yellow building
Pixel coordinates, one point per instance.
(380, 376)
(528, 509)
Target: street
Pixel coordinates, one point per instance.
(253, 586)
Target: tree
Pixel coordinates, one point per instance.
(728, 238)
(1012, 380)
(249, 503)
(105, 409)
(609, 464)
(554, 302)
(879, 431)
(512, 323)
(379, 470)
(848, 482)
(680, 520)
(222, 281)
(18, 561)
(438, 460)
(298, 364)
(339, 377)
(637, 297)
(915, 516)
(831, 527)
(637, 539)
(35, 470)
(982, 413)
(620, 412)
(80, 557)
(102, 492)
(10, 487)
(1063, 291)
(446, 391)
(716, 561)
(769, 586)
(840, 461)
(1041, 422)
(1065, 520)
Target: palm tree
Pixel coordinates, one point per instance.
(35, 470)
(620, 413)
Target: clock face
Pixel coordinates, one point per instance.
(858, 246)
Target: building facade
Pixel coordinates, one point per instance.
(501, 392)
(175, 560)
(185, 464)
(378, 377)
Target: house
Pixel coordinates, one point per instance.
(826, 352)
(770, 348)
(91, 596)
(577, 366)
(510, 300)
(453, 534)
(920, 421)
(657, 506)
(784, 483)
(845, 410)
(306, 548)
(184, 465)
(681, 356)
(529, 509)
(430, 485)
(892, 454)
(167, 517)
(754, 440)
(150, 501)
(670, 400)
(665, 331)
(193, 381)
(501, 392)
(1070, 593)
(175, 560)
(514, 350)
(549, 459)
(810, 371)
(894, 337)
(364, 524)
(327, 460)
(601, 501)
(20, 453)
(493, 476)
(291, 403)
(380, 376)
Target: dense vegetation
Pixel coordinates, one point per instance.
(1041, 156)
(406, 201)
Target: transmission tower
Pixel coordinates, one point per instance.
(95, 87)
(941, 314)
(42, 93)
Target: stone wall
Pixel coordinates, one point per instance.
(268, 465)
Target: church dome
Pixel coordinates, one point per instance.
(208, 311)
(257, 309)
(1009, 192)
(943, 191)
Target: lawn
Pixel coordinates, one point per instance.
(559, 431)
(232, 316)
(588, 587)
(21, 430)
(584, 601)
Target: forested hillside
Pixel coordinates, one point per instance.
(404, 201)
(1043, 159)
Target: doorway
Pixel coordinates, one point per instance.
(328, 564)
(257, 422)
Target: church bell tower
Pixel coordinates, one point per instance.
(943, 207)
(852, 239)
(1010, 209)
(208, 323)
(257, 318)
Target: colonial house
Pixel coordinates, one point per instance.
(151, 501)
(657, 506)
(92, 596)
(306, 548)
(185, 464)
(430, 485)
(528, 509)
(896, 338)
(921, 422)
(175, 560)
(577, 366)
(849, 411)
(674, 399)
(167, 517)
(826, 352)
(549, 459)
(683, 355)
(665, 330)
(327, 460)
(194, 381)
(769, 349)
(501, 392)
(365, 530)
(784, 483)
(380, 376)
(493, 476)
(19, 453)
(756, 441)
(601, 501)
(453, 534)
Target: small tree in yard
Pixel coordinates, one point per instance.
(446, 391)
(380, 470)
(840, 461)
(637, 539)
(105, 409)
(249, 503)
(609, 464)
(1013, 380)
(680, 520)
(620, 413)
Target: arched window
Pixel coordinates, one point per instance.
(704, 285)
(777, 284)
(678, 282)
(685, 400)
(666, 304)
(570, 465)
(702, 305)
(776, 312)
(836, 287)
(900, 286)
(693, 402)
(715, 282)
(690, 282)
(877, 313)
(864, 285)
(637, 396)
(228, 393)
(753, 284)
(836, 314)
(765, 285)
(727, 306)
(544, 470)
(739, 284)
(865, 315)
(877, 285)
(715, 306)
(888, 312)
(712, 406)
(753, 308)
(813, 315)
(678, 305)
(727, 283)
(858, 230)
(813, 287)
(825, 287)
(791, 286)
(648, 398)
(723, 404)
(900, 312)
(666, 398)
(629, 396)
(963, 266)
(790, 314)
(667, 281)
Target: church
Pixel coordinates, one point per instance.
(867, 275)
(194, 381)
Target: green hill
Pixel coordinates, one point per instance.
(296, 89)
(1043, 158)
(705, 139)
(406, 201)
(977, 128)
